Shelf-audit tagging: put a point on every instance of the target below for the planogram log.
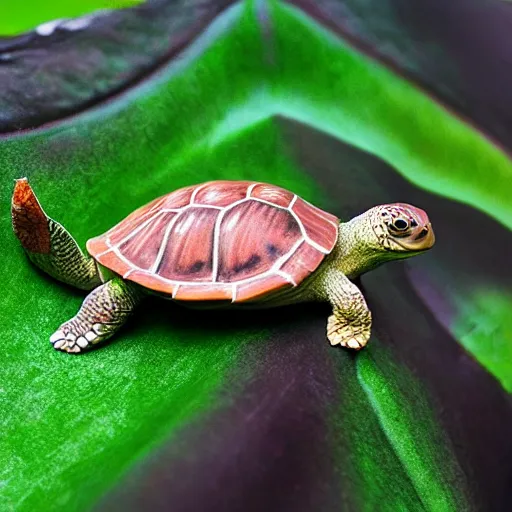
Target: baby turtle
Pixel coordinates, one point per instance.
(220, 243)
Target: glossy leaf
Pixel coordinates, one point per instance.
(196, 410)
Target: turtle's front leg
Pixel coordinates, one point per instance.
(351, 322)
(103, 313)
(48, 244)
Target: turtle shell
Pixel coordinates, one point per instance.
(222, 240)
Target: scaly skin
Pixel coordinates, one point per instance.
(381, 234)
(351, 322)
(48, 245)
(103, 312)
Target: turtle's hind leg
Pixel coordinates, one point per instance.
(103, 312)
(48, 244)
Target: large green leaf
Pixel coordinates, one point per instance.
(391, 417)
(75, 426)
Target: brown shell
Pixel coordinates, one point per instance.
(222, 240)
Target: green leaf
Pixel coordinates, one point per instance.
(484, 327)
(384, 410)
(75, 426)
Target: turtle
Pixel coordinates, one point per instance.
(218, 244)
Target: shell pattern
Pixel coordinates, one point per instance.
(222, 240)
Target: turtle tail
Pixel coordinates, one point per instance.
(48, 245)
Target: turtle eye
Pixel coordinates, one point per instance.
(400, 225)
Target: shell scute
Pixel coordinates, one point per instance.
(305, 260)
(152, 281)
(272, 194)
(252, 237)
(178, 198)
(260, 287)
(142, 247)
(216, 291)
(112, 261)
(321, 227)
(188, 252)
(221, 193)
(134, 221)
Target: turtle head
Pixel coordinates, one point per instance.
(401, 228)
(383, 233)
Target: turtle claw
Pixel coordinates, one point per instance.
(82, 342)
(64, 342)
(346, 335)
(57, 337)
(67, 341)
(59, 343)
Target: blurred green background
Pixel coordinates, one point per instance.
(17, 17)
